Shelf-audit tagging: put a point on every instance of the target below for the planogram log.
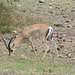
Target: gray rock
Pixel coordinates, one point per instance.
(41, 1)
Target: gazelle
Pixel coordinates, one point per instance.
(45, 32)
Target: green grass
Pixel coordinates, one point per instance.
(21, 65)
(5, 30)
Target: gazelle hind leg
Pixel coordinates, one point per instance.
(54, 44)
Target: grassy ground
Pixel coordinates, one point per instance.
(22, 64)
(51, 12)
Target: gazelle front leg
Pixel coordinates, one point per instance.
(46, 43)
(32, 45)
(27, 47)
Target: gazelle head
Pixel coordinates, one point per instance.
(8, 45)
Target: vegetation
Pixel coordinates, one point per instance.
(14, 15)
(23, 13)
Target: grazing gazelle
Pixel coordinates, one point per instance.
(44, 31)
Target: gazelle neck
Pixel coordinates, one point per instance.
(17, 41)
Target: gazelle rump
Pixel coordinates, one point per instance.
(45, 32)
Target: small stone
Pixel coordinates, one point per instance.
(71, 19)
(23, 11)
(69, 55)
(12, 71)
(60, 56)
(64, 40)
(51, 12)
(35, 49)
(51, 71)
(16, 0)
(22, 55)
(73, 10)
(50, 7)
(41, 1)
(48, 51)
(58, 49)
(67, 21)
(61, 46)
(64, 34)
(67, 68)
(69, 26)
(58, 25)
(44, 70)
(69, 40)
(60, 37)
(64, 16)
(73, 58)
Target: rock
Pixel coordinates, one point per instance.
(67, 21)
(71, 19)
(64, 34)
(60, 37)
(12, 71)
(60, 56)
(67, 3)
(69, 55)
(51, 71)
(59, 41)
(41, 1)
(64, 16)
(64, 40)
(51, 12)
(35, 49)
(58, 49)
(50, 7)
(74, 46)
(16, 0)
(48, 51)
(73, 10)
(73, 58)
(69, 26)
(23, 11)
(44, 70)
(23, 56)
(58, 25)
(57, 36)
(57, 7)
(69, 40)
(61, 46)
